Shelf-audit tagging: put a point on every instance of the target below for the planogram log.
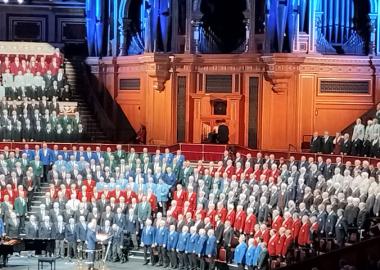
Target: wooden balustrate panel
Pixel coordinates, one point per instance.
(194, 152)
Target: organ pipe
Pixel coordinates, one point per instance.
(342, 19)
(351, 2)
(330, 20)
(302, 9)
(347, 21)
(336, 20)
(324, 8)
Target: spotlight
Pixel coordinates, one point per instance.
(20, 1)
(5, 1)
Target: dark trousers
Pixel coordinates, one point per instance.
(240, 266)
(162, 260)
(193, 261)
(340, 242)
(50, 248)
(46, 170)
(124, 254)
(228, 253)
(166, 257)
(173, 258)
(202, 263)
(38, 182)
(211, 263)
(162, 208)
(30, 196)
(116, 252)
(146, 249)
(91, 259)
(81, 247)
(183, 263)
(22, 221)
(71, 249)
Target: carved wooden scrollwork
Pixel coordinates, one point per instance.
(158, 67)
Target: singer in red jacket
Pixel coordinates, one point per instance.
(272, 243)
(211, 213)
(288, 243)
(221, 211)
(180, 196)
(230, 170)
(191, 197)
(280, 241)
(231, 215)
(250, 222)
(304, 234)
(296, 227)
(277, 220)
(239, 219)
(288, 221)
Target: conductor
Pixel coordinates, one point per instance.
(91, 244)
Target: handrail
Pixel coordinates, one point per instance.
(205, 153)
(292, 146)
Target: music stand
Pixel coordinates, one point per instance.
(102, 238)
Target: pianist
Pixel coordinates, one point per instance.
(13, 226)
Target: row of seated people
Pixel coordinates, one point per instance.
(35, 126)
(35, 86)
(296, 198)
(34, 63)
(365, 141)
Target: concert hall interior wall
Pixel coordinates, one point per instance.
(297, 94)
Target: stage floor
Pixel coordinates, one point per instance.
(25, 263)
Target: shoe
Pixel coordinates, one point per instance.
(145, 263)
(166, 266)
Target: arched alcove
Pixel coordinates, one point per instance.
(223, 25)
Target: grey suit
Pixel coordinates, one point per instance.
(12, 229)
(31, 231)
(143, 211)
(263, 261)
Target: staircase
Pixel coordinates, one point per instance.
(37, 199)
(91, 125)
(370, 114)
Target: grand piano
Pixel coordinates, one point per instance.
(8, 246)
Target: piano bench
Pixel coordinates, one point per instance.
(49, 260)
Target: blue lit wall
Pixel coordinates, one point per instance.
(336, 26)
